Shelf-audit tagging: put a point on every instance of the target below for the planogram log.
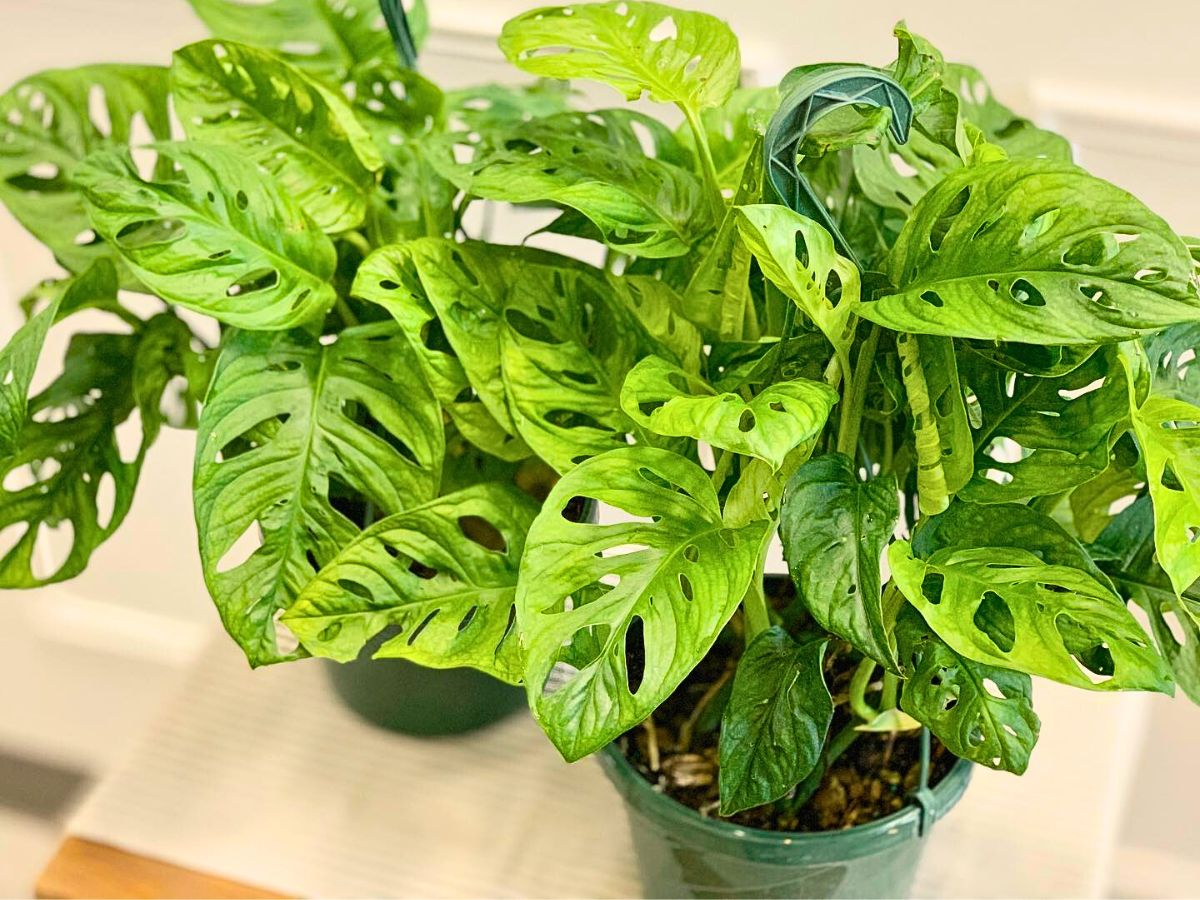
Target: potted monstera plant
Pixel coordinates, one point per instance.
(869, 310)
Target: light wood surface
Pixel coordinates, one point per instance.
(87, 869)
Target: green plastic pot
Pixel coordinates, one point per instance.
(682, 854)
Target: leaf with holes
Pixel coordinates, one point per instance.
(897, 176)
(417, 281)
(1018, 136)
(49, 123)
(658, 308)
(980, 712)
(775, 723)
(300, 132)
(486, 106)
(1171, 354)
(1009, 609)
(442, 576)
(656, 589)
(1041, 436)
(217, 237)
(1168, 433)
(681, 57)
(329, 37)
(296, 438)
(1038, 251)
(797, 256)
(666, 400)
(593, 163)
(834, 530)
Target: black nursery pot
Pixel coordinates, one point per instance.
(683, 854)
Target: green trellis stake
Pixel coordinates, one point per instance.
(397, 23)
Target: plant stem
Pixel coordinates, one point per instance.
(349, 319)
(360, 243)
(754, 604)
(855, 396)
(689, 725)
(708, 168)
(891, 690)
(858, 690)
(837, 745)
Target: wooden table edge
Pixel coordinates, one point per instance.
(83, 868)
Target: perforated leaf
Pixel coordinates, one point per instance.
(660, 311)
(49, 123)
(775, 723)
(834, 530)
(797, 255)
(666, 400)
(1038, 251)
(297, 437)
(896, 176)
(1000, 125)
(980, 712)
(658, 589)
(327, 36)
(593, 163)
(1010, 609)
(217, 237)
(303, 134)
(442, 577)
(676, 56)
(1040, 436)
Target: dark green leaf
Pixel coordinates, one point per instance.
(775, 724)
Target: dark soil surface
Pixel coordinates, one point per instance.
(871, 779)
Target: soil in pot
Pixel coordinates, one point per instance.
(677, 750)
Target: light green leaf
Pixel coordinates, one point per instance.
(443, 576)
(774, 726)
(1009, 609)
(218, 237)
(489, 106)
(834, 530)
(295, 435)
(797, 256)
(1037, 251)
(592, 163)
(327, 36)
(733, 129)
(682, 57)
(980, 712)
(303, 134)
(48, 126)
(1000, 125)
(663, 587)
(659, 310)
(897, 176)
(666, 400)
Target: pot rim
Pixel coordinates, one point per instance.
(948, 792)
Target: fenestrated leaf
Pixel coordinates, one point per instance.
(327, 36)
(48, 126)
(406, 279)
(980, 712)
(501, 105)
(442, 575)
(217, 237)
(293, 429)
(1171, 354)
(666, 400)
(834, 530)
(593, 163)
(897, 176)
(1041, 436)
(303, 134)
(682, 57)
(1000, 125)
(659, 310)
(1038, 251)
(1010, 609)
(797, 255)
(775, 723)
(659, 588)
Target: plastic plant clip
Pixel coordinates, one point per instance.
(811, 92)
(397, 23)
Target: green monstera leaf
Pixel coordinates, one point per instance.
(681, 57)
(593, 163)
(980, 712)
(216, 237)
(666, 400)
(1018, 136)
(329, 37)
(1007, 608)
(798, 256)
(654, 592)
(834, 529)
(1040, 436)
(441, 578)
(775, 723)
(287, 472)
(1038, 251)
(49, 123)
(896, 176)
(303, 134)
